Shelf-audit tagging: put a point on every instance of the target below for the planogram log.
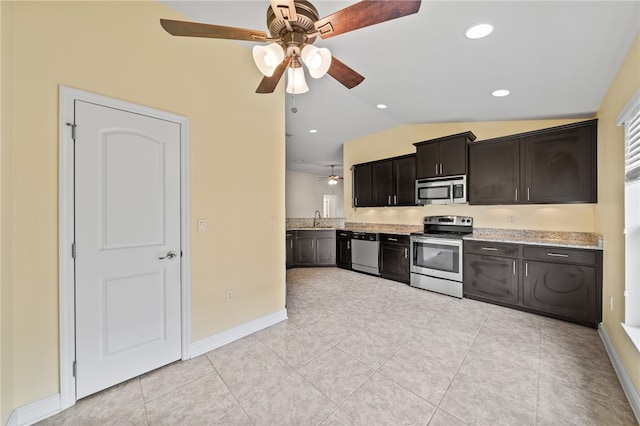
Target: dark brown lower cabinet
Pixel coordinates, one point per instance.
(491, 277)
(563, 283)
(394, 261)
(290, 239)
(563, 289)
(343, 249)
(315, 248)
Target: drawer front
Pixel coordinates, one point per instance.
(394, 239)
(559, 254)
(492, 249)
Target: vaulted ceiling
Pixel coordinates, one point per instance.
(557, 58)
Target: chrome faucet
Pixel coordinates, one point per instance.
(316, 218)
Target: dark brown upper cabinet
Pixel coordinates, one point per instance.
(555, 165)
(362, 185)
(560, 166)
(445, 156)
(392, 182)
(494, 172)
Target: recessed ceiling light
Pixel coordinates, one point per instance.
(478, 31)
(500, 93)
(381, 106)
(313, 131)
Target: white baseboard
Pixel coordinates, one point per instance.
(627, 385)
(35, 411)
(217, 340)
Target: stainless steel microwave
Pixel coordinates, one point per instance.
(446, 190)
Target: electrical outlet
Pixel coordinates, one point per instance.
(229, 296)
(610, 302)
(202, 225)
(273, 221)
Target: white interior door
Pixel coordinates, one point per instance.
(127, 212)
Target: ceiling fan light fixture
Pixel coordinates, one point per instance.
(267, 58)
(318, 60)
(332, 180)
(296, 83)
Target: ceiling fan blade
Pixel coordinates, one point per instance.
(364, 14)
(268, 84)
(345, 75)
(195, 29)
(284, 9)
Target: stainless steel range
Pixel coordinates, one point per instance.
(436, 262)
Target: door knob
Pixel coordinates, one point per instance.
(169, 255)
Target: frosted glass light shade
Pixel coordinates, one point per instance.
(317, 60)
(296, 83)
(267, 58)
(333, 181)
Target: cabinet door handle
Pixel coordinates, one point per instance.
(557, 255)
(440, 168)
(489, 248)
(436, 168)
(348, 245)
(392, 239)
(389, 202)
(526, 269)
(514, 267)
(395, 199)
(355, 201)
(516, 194)
(312, 243)
(291, 243)
(528, 194)
(406, 252)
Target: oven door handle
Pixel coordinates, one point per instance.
(439, 241)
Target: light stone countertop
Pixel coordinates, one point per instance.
(583, 240)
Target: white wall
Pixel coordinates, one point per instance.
(304, 192)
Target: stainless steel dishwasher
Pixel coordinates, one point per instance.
(364, 252)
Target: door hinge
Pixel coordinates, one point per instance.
(75, 369)
(73, 250)
(73, 130)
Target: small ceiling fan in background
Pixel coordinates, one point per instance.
(294, 26)
(333, 178)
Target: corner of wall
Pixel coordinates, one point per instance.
(6, 215)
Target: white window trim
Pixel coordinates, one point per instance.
(632, 317)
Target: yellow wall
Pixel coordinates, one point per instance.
(609, 214)
(6, 226)
(237, 154)
(398, 141)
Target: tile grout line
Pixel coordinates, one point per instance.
(230, 392)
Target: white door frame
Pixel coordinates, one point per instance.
(66, 263)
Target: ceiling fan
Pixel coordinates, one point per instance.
(294, 26)
(333, 178)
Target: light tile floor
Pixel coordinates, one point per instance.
(361, 350)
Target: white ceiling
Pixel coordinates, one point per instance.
(556, 57)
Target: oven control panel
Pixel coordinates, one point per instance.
(448, 220)
(366, 236)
